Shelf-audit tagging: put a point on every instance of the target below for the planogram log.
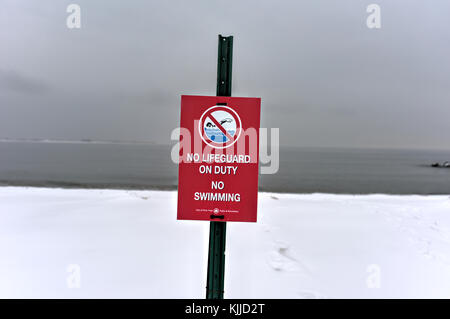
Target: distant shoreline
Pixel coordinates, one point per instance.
(105, 186)
(173, 142)
(83, 141)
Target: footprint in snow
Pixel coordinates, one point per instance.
(133, 194)
(265, 228)
(281, 259)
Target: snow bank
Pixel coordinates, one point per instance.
(128, 244)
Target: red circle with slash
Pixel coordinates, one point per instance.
(218, 124)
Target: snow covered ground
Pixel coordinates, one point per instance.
(129, 244)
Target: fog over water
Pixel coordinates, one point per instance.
(324, 77)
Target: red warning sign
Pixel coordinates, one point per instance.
(219, 155)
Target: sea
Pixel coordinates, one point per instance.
(148, 166)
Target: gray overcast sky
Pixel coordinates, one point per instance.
(325, 79)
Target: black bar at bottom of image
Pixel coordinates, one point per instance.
(227, 308)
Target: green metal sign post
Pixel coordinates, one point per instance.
(218, 230)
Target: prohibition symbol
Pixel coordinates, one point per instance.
(220, 126)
